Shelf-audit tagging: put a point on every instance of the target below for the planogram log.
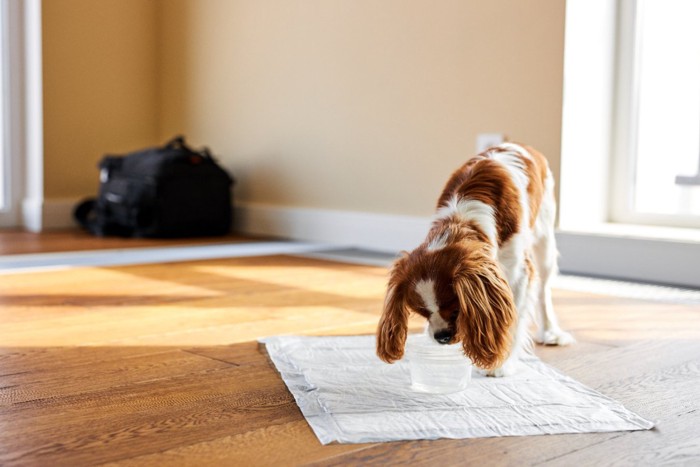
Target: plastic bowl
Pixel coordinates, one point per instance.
(437, 368)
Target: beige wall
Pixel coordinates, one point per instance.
(99, 73)
(339, 104)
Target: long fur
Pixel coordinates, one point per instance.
(487, 312)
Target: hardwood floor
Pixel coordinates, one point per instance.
(22, 242)
(159, 365)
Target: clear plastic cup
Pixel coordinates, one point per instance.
(437, 368)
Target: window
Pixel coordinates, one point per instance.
(655, 175)
(624, 146)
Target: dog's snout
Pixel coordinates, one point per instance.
(443, 337)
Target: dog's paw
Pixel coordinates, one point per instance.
(507, 369)
(554, 337)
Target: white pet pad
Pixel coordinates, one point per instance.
(348, 395)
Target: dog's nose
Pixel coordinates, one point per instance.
(443, 337)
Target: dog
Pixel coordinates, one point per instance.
(486, 265)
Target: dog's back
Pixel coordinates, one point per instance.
(511, 179)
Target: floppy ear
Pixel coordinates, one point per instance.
(486, 314)
(393, 325)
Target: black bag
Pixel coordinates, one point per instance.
(169, 191)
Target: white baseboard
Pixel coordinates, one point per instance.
(379, 232)
(32, 215)
(58, 213)
(40, 215)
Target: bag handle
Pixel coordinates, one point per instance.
(178, 142)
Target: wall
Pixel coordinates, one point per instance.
(358, 105)
(100, 80)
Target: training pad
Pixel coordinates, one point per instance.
(348, 395)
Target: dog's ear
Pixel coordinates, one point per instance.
(393, 325)
(486, 314)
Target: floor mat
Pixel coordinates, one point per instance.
(348, 395)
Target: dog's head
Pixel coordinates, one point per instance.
(462, 293)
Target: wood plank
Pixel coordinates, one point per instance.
(137, 419)
(34, 359)
(292, 443)
(667, 396)
(74, 379)
(676, 443)
(190, 327)
(186, 301)
(14, 241)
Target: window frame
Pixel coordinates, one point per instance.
(23, 130)
(626, 87)
(11, 174)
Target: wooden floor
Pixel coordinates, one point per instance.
(21, 242)
(158, 365)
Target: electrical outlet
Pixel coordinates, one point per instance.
(486, 140)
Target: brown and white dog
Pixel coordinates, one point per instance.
(485, 266)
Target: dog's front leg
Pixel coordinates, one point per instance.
(509, 367)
